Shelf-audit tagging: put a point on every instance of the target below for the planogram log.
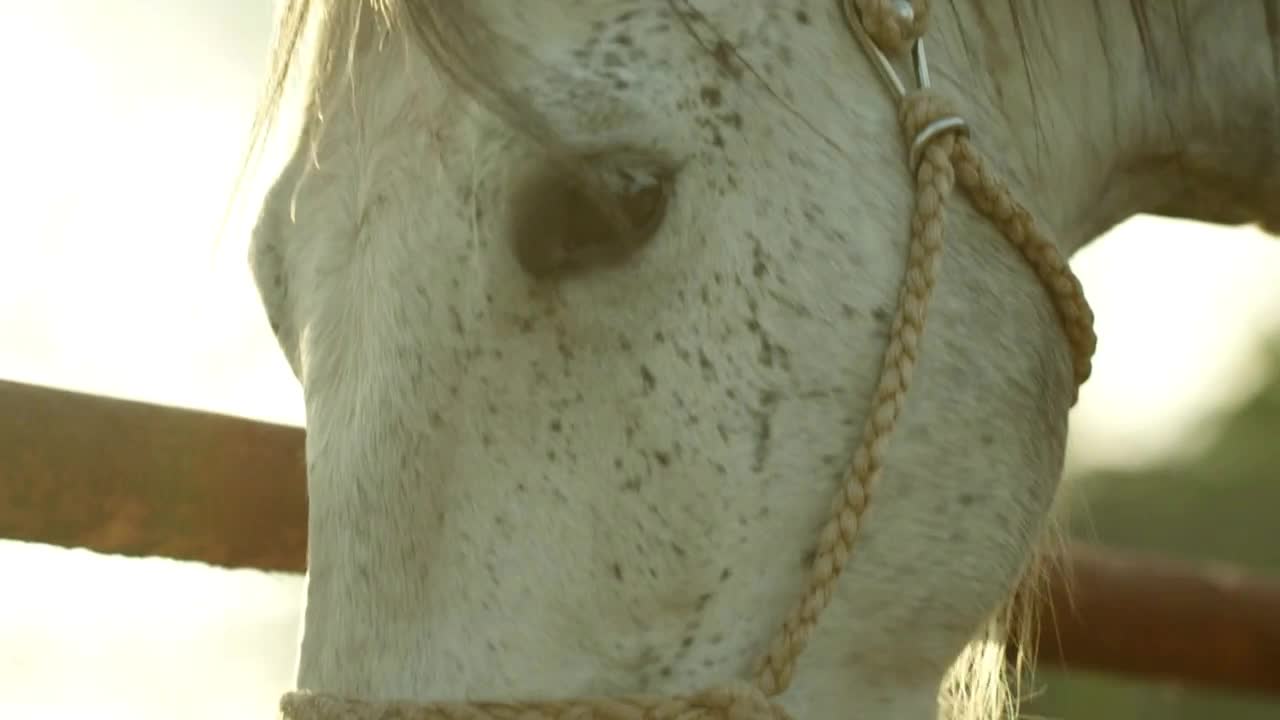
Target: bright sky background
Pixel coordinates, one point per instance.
(122, 131)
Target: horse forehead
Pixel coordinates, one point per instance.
(640, 73)
(641, 32)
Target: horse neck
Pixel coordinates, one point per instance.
(1114, 109)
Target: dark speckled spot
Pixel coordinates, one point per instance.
(646, 376)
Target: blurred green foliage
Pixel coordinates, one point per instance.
(1221, 504)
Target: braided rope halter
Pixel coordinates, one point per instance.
(940, 156)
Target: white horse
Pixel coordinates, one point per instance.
(587, 298)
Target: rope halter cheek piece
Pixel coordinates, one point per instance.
(940, 155)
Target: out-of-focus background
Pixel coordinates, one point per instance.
(121, 136)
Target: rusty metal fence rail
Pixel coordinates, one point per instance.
(135, 479)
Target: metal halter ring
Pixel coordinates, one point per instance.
(920, 63)
(951, 123)
(853, 17)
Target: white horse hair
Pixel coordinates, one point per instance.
(587, 298)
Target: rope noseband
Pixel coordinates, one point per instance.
(940, 155)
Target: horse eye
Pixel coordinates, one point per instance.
(643, 198)
(558, 225)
